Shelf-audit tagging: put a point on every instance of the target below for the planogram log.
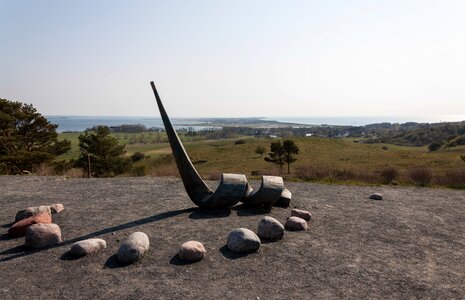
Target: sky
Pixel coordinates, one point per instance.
(236, 58)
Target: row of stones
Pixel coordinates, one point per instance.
(241, 240)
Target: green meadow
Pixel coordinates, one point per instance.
(319, 159)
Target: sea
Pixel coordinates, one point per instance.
(81, 123)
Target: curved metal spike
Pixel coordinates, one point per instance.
(229, 192)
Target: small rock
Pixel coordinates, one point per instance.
(296, 223)
(303, 214)
(243, 240)
(271, 229)
(133, 247)
(56, 208)
(192, 251)
(376, 196)
(88, 246)
(19, 228)
(285, 199)
(31, 211)
(43, 235)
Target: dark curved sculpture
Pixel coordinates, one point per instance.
(232, 188)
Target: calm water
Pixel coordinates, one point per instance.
(81, 123)
(358, 121)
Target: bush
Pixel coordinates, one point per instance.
(453, 179)
(63, 166)
(139, 170)
(420, 176)
(239, 142)
(256, 173)
(137, 156)
(434, 146)
(389, 174)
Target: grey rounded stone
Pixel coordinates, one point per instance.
(303, 214)
(43, 235)
(243, 240)
(271, 229)
(296, 223)
(376, 196)
(192, 251)
(88, 246)
(32, 211)
(133, 247)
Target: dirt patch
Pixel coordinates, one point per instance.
(410, 245)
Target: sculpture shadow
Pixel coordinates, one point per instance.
(20, 251)
(231, 254)
(6, 237)
(7, 225)
(200, 213)
(113, 263)
(249, 210)
(176, 261)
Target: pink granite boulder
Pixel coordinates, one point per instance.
(296, 223)
(303, 214)
(19, 228)
(192, 251)
(43, 235)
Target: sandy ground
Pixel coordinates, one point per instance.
(410, 245)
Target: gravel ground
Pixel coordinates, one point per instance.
(409, 245)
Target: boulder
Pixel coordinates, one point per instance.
(31, 211)
(56, 208)
(43, 235)
(133, 247)
(376, 196)
(19, 228)
(271, 229)
(243, 240)
(303, 214)
(285, 199)
(296, 223)
(88, 246)
(192, 251)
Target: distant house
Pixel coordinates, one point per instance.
(308, 134)
(273, 136)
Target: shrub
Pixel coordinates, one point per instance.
(256, 173)
(239, 142)
(434, 146)
(137, 156)
(139, 170)
(385, 148)
(453, 179)
(420, 176)
(389, 174)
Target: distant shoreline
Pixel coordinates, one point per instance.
(81, 123)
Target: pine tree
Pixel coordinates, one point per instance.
(105, 153)
(27, 139)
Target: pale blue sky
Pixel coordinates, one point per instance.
(236, 58)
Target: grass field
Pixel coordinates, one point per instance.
(319, 158)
